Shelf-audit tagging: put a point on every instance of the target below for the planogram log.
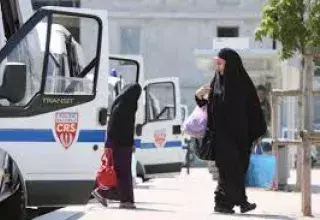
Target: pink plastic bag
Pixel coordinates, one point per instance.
(195, 125)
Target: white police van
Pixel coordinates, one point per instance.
(124, 69)
(53, 111)
(158, 138)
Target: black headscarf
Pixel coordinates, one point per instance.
(242, 113)
(122, 119)
(128, 96)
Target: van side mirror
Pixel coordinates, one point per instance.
(139, 129)
(14, 82)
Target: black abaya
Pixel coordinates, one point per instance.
(235, 115)
(121, 138)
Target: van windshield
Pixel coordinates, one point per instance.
(113, 92)
(127, 70)
(111, 96)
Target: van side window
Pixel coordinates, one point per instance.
(27, 53)
(35, 76)
(72, 72)
(160, 101)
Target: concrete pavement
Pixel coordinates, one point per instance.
(191, 197)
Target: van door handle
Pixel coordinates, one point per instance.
(103, 115)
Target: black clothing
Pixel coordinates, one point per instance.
(235, 115)
(120, 138)
(122, 163)
(121, 123)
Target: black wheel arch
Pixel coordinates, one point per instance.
(12, 172)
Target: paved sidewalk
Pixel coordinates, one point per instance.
(191, 197)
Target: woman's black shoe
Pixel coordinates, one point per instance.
(95, 193)
(247, 207)
(223, 210)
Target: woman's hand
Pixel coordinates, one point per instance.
(203, 91)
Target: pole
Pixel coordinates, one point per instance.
(188, 157)
(274, 132)
(299, 147)
(307, 125)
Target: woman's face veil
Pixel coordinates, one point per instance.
(234, 66)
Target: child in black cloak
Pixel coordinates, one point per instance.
(121, 139)
(236, 119)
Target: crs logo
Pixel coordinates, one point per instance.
(66, 126)
(160, 138)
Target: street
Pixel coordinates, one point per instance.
(191, 197)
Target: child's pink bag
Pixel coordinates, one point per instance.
(196, 124)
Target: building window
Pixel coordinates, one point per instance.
(130, 40)
(228, 32)
(36, 4)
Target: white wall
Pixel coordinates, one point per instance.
(172, 29)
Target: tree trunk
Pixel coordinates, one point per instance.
(307, 126)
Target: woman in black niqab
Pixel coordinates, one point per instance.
(236, 119)
(122, 118)
(120, 138)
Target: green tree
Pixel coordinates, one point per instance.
(293, 23)
(296, 25)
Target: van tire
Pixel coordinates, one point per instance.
(21, 205)
(140, 172)
(145, 179)
(14, 207)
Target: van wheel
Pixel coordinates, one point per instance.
(139, 170)
(14, 207)
(20, 204)
(145, 179)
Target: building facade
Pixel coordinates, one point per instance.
(166, 32)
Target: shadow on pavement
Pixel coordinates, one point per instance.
(261, 216)
(158, 203)
(150, 187)
(76, 216)
(143, 187)
(69, 215)
(144, 210)
(142, 203)
(291, 188)
(266, 216)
